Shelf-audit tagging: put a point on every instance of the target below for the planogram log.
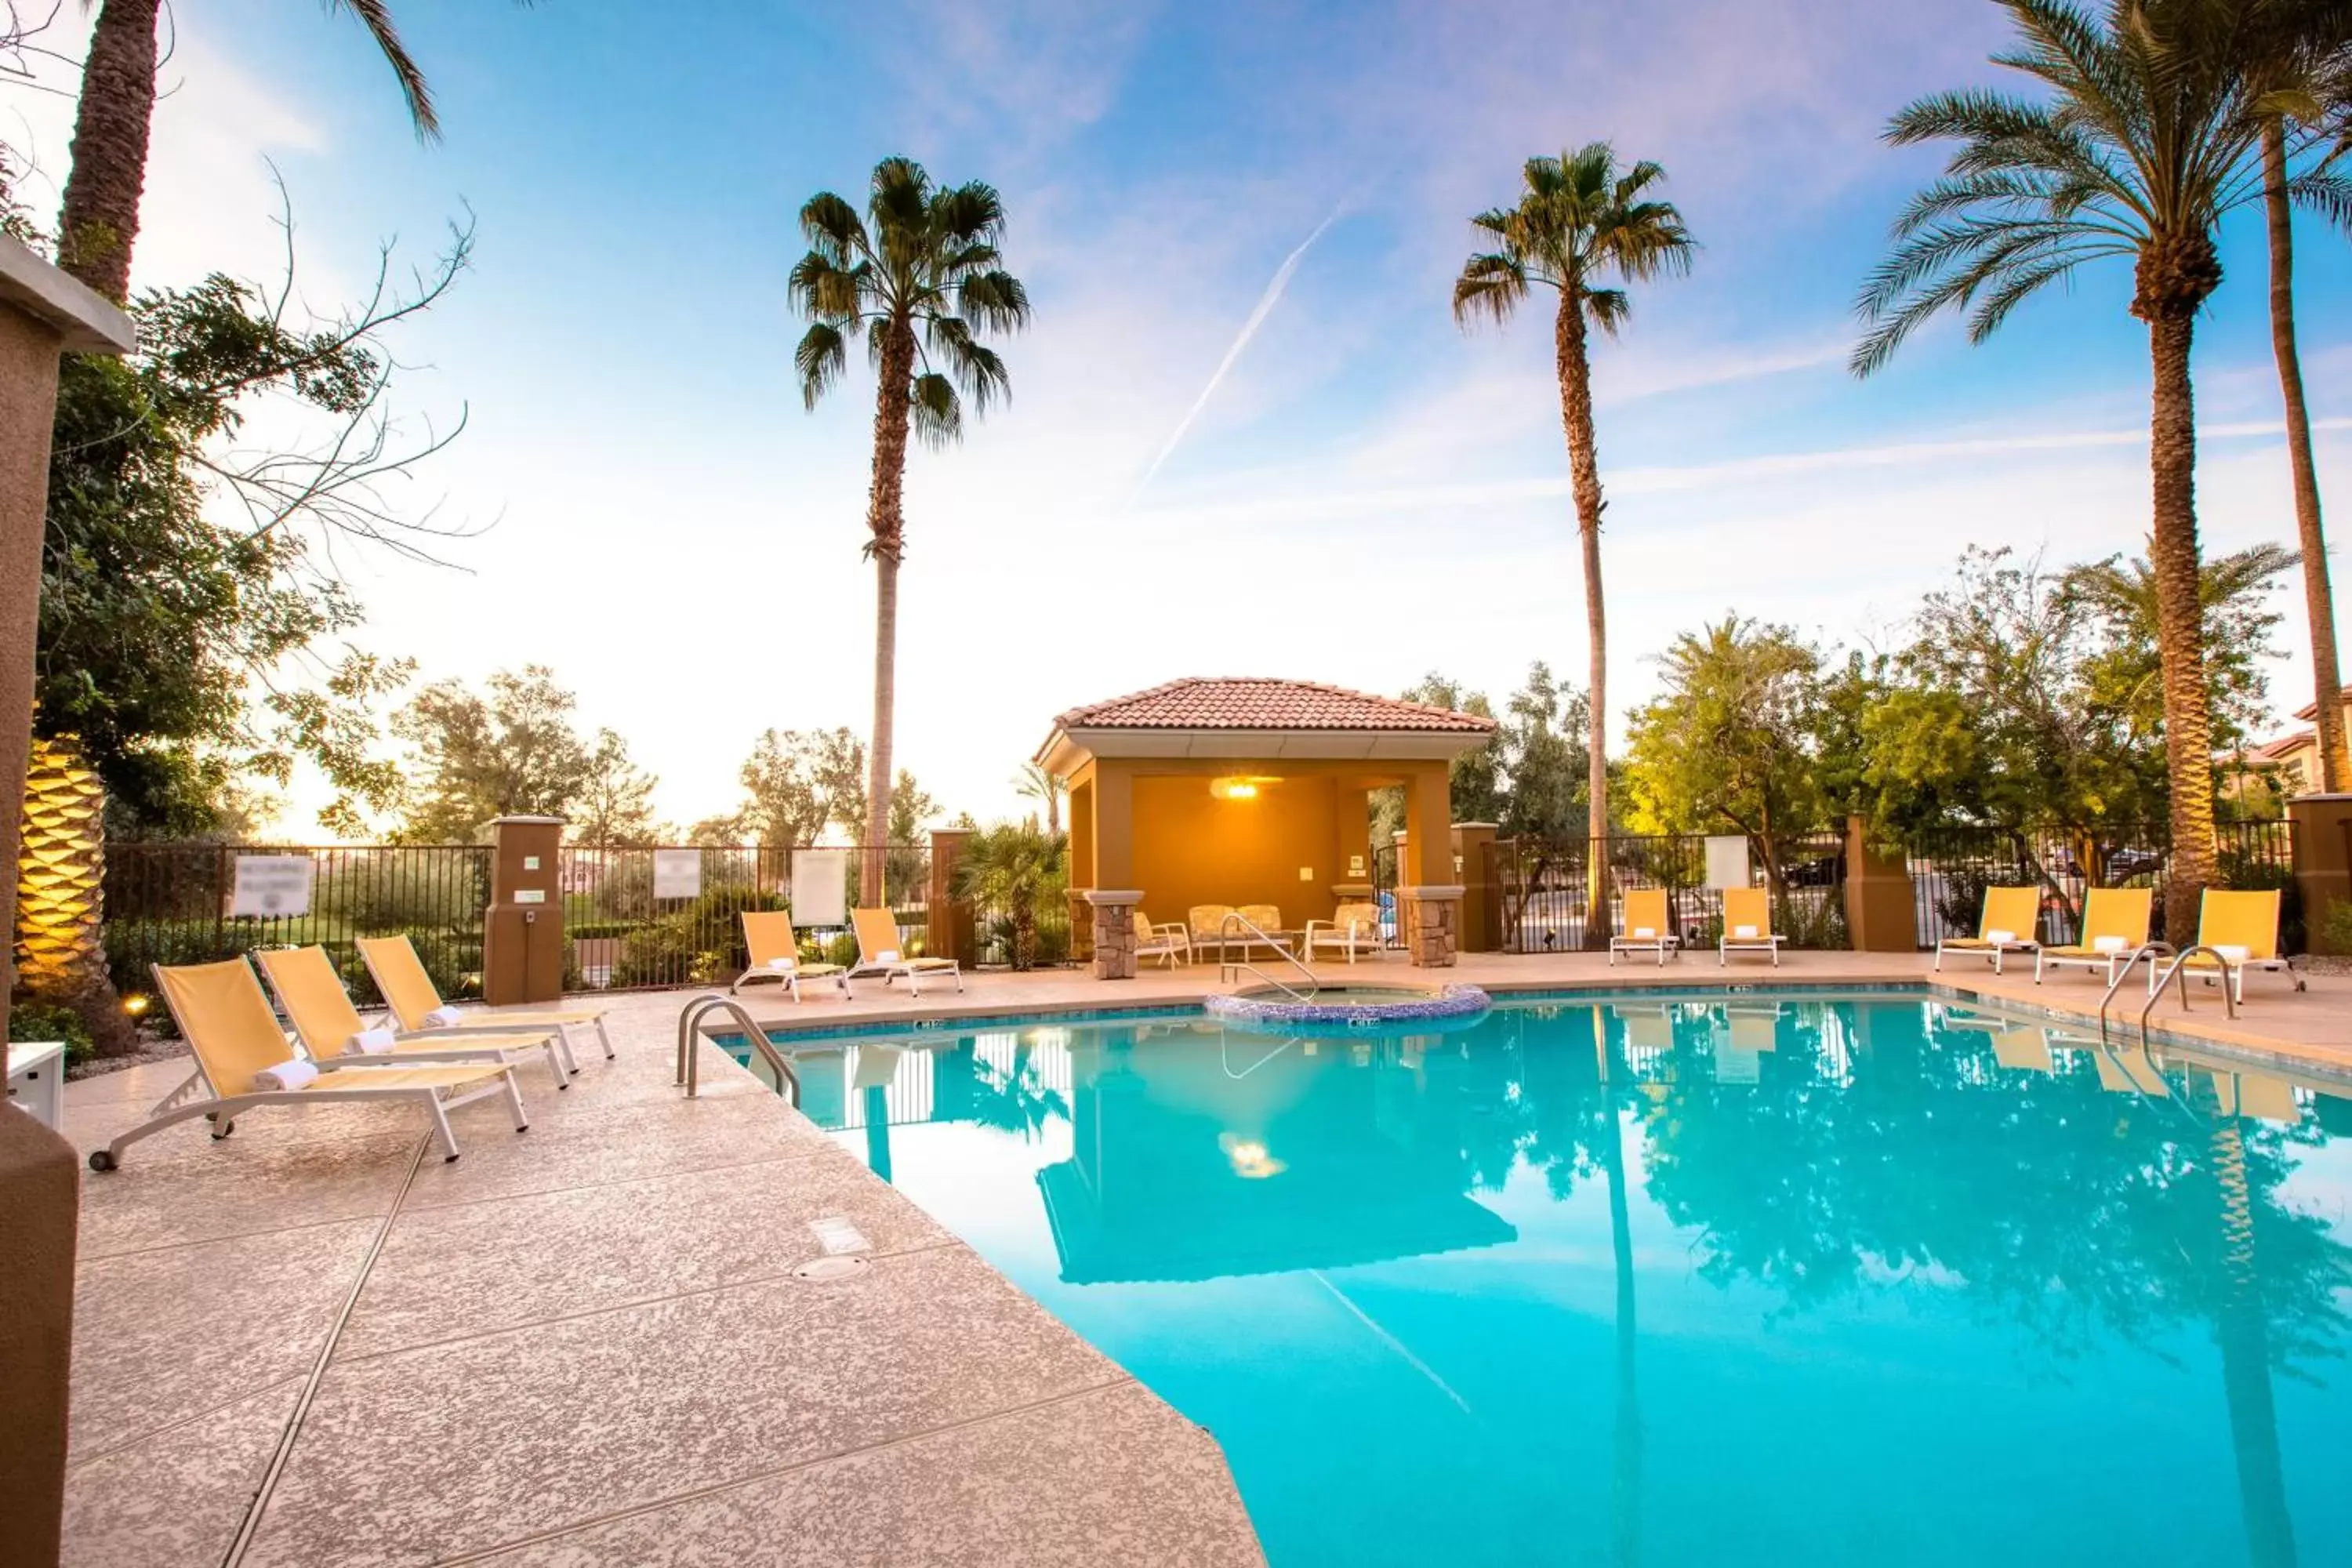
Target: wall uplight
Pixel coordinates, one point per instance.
(1243, 787)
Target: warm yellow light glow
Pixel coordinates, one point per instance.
(61, 872)
(1240, 786)
(1250, 1159)
(135, 1005)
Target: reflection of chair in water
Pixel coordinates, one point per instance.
(2024, 1049)
(2129, 1070)
(2257, 1095)
(1747, 1033)
(1647, 1028)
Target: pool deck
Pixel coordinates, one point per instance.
(315, 1343)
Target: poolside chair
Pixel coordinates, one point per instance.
(1353, 928)
(330, 1029)
(878, 952)
(2010, 923)
(2243, 929)
(1645, 928)
(2115, 926)
(1207, 924)
(1747, 925)
(1163, 941)
(416, 1006)
(776, 955)
(235, 1040)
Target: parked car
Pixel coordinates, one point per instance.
(1827, 871)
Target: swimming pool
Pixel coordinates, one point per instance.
(1757, 1279)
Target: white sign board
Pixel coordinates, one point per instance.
(1727, 860)
(820, 887)
(677, 873)
(270, 886)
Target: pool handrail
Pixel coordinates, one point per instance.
(1228, 971)
(2151, 951)
(689, 1060)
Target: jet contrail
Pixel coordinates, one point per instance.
(1258, 313)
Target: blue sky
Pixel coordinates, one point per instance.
(1365, 494)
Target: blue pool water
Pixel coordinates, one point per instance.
(1780, 1280)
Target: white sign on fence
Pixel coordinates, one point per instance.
(677, 873)
(820, 887)
(1727, 860)
(270, 886)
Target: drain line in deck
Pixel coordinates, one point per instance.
(244, 1540)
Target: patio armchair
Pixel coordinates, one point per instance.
(1353, 928)
(330, 1029)
(2010, 923)
(243, 1060)
(415, 1004)
(775, 954)
(1646, 927)
(1746, 925)
(879, 952)
(2115, 926)
(2242, 928)
(1207, 924)
(1163, 941)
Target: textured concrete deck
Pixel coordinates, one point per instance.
(313, 1343)
(583, 1345)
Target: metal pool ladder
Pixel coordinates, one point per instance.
(1229, 971)
(2169, 973)
(689, 1060)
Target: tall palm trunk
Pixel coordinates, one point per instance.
(1625, 1491)
(886, 522)
(2319, 603)
(1574, 366)
(60, 955)
(101, 220)
(2180, 631)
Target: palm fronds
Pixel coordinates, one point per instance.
(1580, 220)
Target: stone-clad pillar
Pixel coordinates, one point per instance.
(1114, 930)
(1433, 923)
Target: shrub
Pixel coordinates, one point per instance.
(38, 1021)
(2335, 928)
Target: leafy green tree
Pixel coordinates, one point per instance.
(1009, 871)
(614, 808)
(796, 784)
(921, 275)
(2140, 146)
(1544, 740)
(1579, 222)
(1727, 742)
(476, 757)
(1474, 778)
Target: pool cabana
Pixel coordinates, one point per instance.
(1253, 791)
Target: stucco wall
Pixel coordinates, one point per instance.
(28, 388)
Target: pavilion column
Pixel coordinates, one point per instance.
(1112, 919)
(1082, 864)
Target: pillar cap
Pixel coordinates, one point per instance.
(1490, 826)
(533, 821)
(1433, 890)
(2317, 796)
(1111, 895)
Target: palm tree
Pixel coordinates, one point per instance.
(1034, 783)
(919, 281)
(1009, 871)
(2141, 145)
(101, 220)
(2301, 67)
(1579, 220)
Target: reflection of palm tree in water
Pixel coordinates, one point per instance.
(1625, 1502)
(2244, 1336)
(1013, 1100)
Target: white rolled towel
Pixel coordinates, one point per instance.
(372, 1042)
(2232, 952)
(2001, 937)
(887, 955)
(444, 1019)
(1743, 933)
(783, 963)
(1645, 932)
(2107, 944)
(294, 1072)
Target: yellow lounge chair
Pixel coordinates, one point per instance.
(2010, 923)
(1646, 927)
(2115, 926)
(2242, 928)
(878, 952)
(1352, 927)
(234, 1037)
(775, 953)
(1746, 925)
(329, 1028)
(416, 1006)
(1163, 941)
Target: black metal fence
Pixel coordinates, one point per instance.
(1951, 867)
(169, 903)
(1542, 889)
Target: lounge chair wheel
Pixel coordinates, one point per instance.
(448, 1159)
(102, 1160)
(222, 1129)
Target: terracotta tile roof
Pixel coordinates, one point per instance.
(1248, 702)
(2310, 710)
(2283, 747)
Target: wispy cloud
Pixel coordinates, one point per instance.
(1267, 302)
